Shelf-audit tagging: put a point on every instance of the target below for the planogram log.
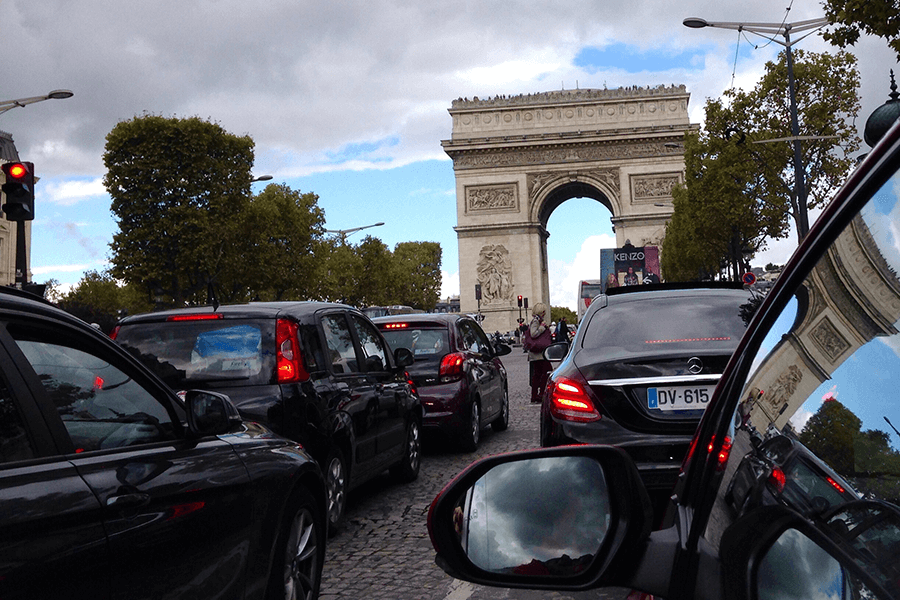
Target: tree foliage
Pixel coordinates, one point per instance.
(850, 18)
(738, 193)
(177, 188)
(557, 312)
(417, 274)
(99, 298)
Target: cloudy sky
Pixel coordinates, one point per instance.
(349, 99)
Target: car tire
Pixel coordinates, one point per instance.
(299, 550)
(472, 433)
(336, 477)
(408, 468)
(501, 423)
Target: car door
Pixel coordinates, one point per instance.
(391, 413)
(53, 543)
(484, 371)
(176, 511)
(357, 396)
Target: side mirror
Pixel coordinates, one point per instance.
(210, 413)
(403, 357)
(501, 349)
(556, 352)
(555, 518)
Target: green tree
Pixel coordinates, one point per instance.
(418, 274)
(739, 187)
(177, 187)
(99, 298)
(281, 234)
(850, 18)
(557, 312)
(830, 434)
(375, 284)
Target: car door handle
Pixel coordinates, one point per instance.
(126, 501)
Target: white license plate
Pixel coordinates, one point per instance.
(681, 397)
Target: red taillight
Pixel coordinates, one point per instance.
(289, 360)
(394, 325)
(570, 402)
(835, 484)
(724, 452)
(203, 317)
(452, 366)
(777, 479)
(114, 333)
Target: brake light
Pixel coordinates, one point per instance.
(835, 484)
(289, 361)
(724, 452)
(395, 325)
(412, 384)
(570, 402)
(114, 333)
(203, 317)
(777, 479)
(452, 366)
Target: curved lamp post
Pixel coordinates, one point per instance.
(6, 105)
(343, 233)
(769, 31)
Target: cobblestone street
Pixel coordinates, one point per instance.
(384, 551)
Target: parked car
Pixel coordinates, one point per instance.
(111, 486)
(641, 371)
(457, 372)
(784, 470)
(315, 372)
(819, 357)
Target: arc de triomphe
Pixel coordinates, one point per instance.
(518, 158)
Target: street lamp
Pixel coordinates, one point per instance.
(21, 261)
(768, 31)
(6, 105)
(261, 178)
(343, 233)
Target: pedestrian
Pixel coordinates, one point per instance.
(562, 330)
(537, 339)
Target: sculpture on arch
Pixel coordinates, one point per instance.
(495, 273)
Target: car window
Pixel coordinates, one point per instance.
(341, 352)
(425, 344)
(14, 441)
(470, 339)
(826, 376)
(100, 405)
(372, 345)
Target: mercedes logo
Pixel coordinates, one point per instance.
(695, 365)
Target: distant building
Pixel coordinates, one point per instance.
(451, 305)
(8, 153)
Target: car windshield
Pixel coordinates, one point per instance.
(661, 324)
(425, 344)
(210, 350)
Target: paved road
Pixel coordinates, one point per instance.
(384, 551)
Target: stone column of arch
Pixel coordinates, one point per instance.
(517, 158)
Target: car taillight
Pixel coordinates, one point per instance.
(452, 366)
(835, 485)
(724, 452)
(114, 333)
(289, 360)
(412, 384)
(777, 479)
(569, 401)
(201, 317)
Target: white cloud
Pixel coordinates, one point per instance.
(67, 193)
(449, 284)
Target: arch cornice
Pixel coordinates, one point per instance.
(543, 184)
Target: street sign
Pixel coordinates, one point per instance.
(748, 278)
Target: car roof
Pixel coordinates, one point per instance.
(635, 292)
(262, 310)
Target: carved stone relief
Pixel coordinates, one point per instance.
(829, 339)
(503, 197)
(520, 157)
(653, 188)
(779, 395)
(537, 182)
(495, 274)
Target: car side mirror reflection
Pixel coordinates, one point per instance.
(403, 357)
(501, 349)
(210, 413)
(556, 352)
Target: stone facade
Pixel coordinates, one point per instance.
(517, 158)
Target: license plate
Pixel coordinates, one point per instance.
(682, 397)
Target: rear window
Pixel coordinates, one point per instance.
(185, 353)
(425, 344)
(667, 324)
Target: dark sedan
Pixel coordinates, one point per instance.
(113, 487)
(641, 371)
(457, 372)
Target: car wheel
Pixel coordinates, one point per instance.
(473, 432)
(502, 421)
(299, 551)
(408, 468)
(336, 486)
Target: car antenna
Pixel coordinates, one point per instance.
(211, 296)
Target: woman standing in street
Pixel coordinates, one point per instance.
(537, 339)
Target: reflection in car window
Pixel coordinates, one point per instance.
(827, 374)
(14, 441)
(341, 352)
(101, 406)
(372, 345)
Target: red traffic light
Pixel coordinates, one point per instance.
(520, 300)
(16, 171)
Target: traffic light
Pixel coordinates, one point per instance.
(526, 302)
(478, 291)
(19, 191)
(520, 300)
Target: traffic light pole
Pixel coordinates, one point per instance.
(21, 263)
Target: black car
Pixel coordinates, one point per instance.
(457, 371)
(111, 486)
(641, 371)
(318, 373)
(819, 359)
(783, 470)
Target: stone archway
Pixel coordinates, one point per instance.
(518, 158)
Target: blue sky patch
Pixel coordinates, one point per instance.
(362, 150)
(632, 59)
